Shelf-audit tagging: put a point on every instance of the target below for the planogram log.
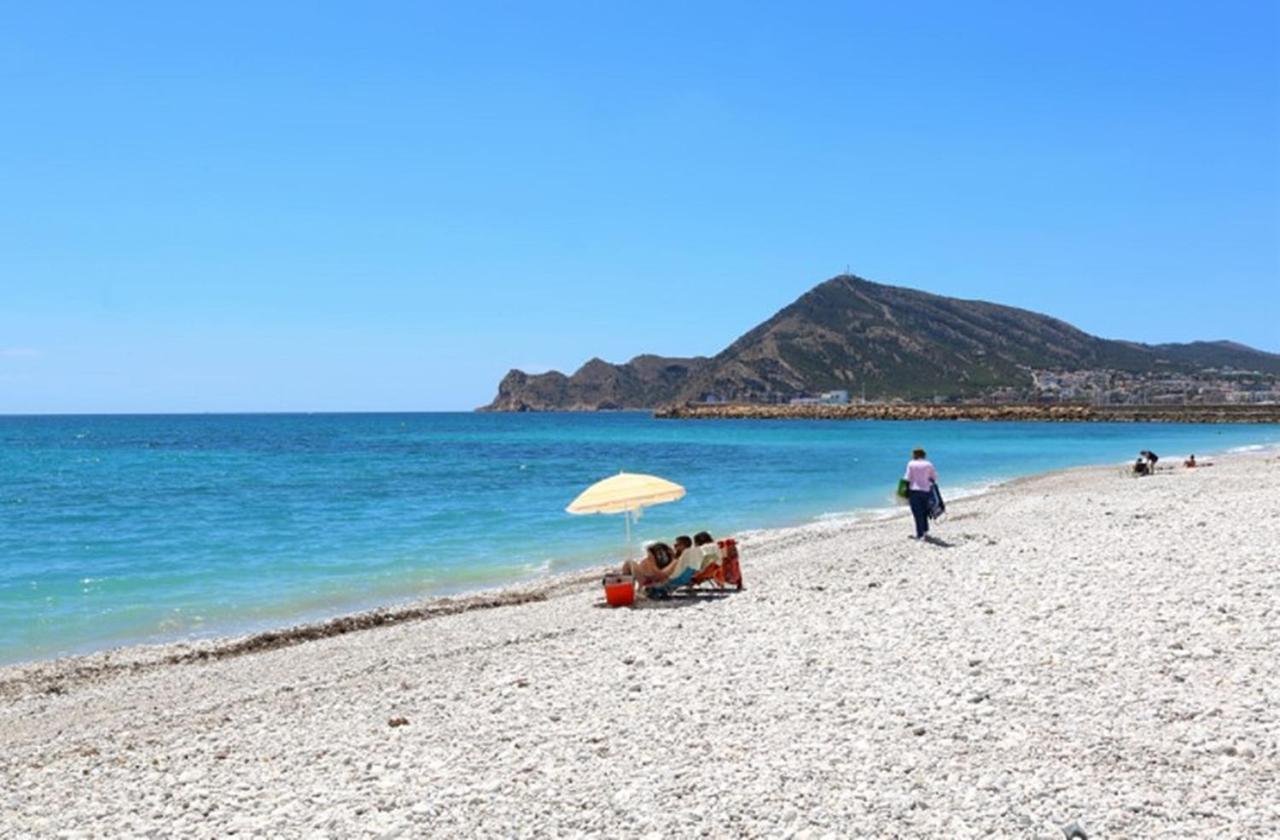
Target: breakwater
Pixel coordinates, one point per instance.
(1054, 413)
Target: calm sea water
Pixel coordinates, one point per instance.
(151, 528)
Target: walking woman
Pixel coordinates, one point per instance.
(920, 478)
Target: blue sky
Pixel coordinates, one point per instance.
(321, 206)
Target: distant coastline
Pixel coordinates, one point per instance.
(145, 529)
(1054, 413)
(850, 336)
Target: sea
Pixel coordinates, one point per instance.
(120, 529)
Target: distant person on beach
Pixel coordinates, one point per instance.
(1151, 460)
(1190, 462)
(1140, 466)
(920, 478)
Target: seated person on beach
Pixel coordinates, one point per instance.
(1140, 467)
(685, 543)
(700, 557)
(702, 541)
(659, 563)
(1190, 462)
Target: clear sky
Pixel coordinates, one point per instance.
(321, 206)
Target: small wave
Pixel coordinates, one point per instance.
(873, 514)
(536, 568)
(881, 513)
(965, 491)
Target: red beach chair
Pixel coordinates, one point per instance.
(729, 562)
(725, 572)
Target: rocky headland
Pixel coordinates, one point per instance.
(641, 383)
(887, 343)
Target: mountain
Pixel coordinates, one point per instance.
(848, 333)
(1219, 354)
(891, 342)
(643, 382)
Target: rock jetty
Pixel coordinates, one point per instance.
(1055, 413)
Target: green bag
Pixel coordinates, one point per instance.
(902, 488)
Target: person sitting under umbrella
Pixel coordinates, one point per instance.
(658, 565)
(664, 570)
(702, 550)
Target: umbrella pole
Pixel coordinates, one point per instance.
(627, 518)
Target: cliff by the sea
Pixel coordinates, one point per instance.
(888, 343)
(641, 383)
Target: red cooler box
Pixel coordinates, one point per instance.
(619, 590)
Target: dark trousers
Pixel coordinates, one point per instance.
(919, 500)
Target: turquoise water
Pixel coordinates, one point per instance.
(152, 528)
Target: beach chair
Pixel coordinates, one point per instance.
(679, 580)
(729, 561)
(720, 565)
(712, 571)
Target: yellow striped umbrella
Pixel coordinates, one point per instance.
(626, 493)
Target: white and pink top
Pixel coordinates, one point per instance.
(920, 474)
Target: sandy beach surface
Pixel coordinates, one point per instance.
(1079, 654)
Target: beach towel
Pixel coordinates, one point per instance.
(937, 507)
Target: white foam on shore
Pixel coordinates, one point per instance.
(1255, 447)
(536, 569)
(899, 508)
(868, 514)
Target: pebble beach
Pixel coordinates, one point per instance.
(1077, 654)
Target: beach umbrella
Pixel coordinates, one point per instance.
(626, 493)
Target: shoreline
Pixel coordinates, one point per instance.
(54, 675)
(132, 657)
(111, 593)
(136, 657)
(1072, 647)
